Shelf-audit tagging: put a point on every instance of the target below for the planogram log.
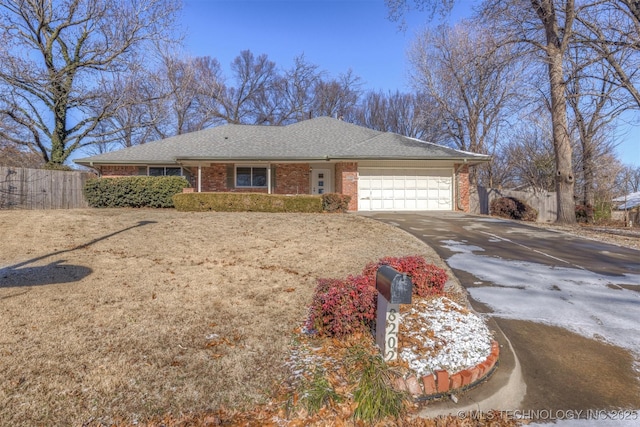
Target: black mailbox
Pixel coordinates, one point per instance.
(395, 287)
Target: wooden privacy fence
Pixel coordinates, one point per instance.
(544, 202)
(22, 188)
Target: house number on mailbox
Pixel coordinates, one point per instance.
(391, 333)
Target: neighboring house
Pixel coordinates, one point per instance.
(627, 208)
(630, 201)
(379, 170)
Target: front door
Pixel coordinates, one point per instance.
(320, 181)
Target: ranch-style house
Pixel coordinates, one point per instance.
(381, 171)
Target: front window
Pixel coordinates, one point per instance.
(249, 176)
(165, 171)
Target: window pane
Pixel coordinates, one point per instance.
(172, 172)
(156, 171)
(259, 177)
(243, 177)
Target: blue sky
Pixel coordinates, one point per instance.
(336, 35)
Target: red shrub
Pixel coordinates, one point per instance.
(342, 307)
(427, 278)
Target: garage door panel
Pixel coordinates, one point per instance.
(422, 205)
(405, 189)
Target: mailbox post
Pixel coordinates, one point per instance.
(394, 289)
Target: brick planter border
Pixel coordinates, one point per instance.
(441, 383)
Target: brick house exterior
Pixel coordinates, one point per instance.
(379, 170)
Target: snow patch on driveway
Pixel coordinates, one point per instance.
(581, 301)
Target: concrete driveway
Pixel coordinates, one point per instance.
(569, 306)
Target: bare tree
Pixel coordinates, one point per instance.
(337, 97)
(13, 155)
(628, 180)
(188, 93)
(299, 83)
(530, 157)
(546, 26)
(612, 30)
(401, 113)
(56, 56)
(472, 81)
(254, 79)
(136, 100)
(594, 104)
(399, 8)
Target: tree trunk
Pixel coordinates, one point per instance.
(588, 194)
(58, 140)
(561, 141)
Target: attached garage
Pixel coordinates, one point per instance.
(398, 189)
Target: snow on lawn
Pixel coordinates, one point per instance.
(444, 335)
(590, 304)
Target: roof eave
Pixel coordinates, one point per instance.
(122, 162)
(91, 163)
(468, 160)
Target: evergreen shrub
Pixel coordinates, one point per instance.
(133, 191)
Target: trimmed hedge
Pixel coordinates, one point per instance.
(246, 202)
(133, 191)
(512, 208)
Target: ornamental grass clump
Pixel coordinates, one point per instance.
(375, 396)
(317, 392)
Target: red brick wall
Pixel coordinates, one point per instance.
(214, 178)
(115, 171)
(347, 182)
(292, 178)
(462, 196)
(289, 179)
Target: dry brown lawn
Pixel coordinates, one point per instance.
(130, 314)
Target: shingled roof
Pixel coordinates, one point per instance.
(322, 138)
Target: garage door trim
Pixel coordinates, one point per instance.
(405, 188)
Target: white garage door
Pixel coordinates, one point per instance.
(405, 189)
